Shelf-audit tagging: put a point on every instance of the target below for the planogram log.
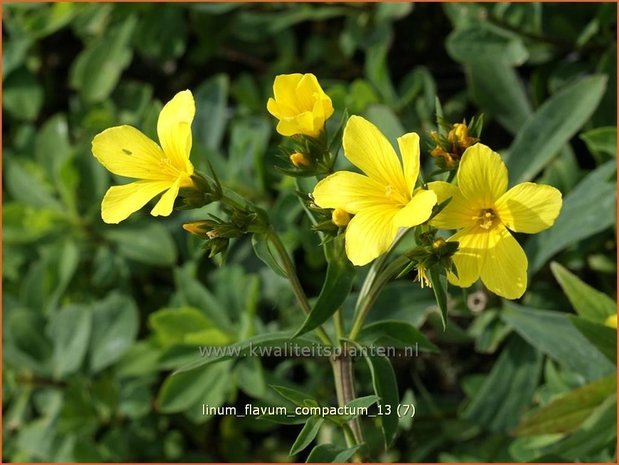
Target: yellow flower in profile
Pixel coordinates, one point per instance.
(484, 211)
(300, 105)
(384, 199)
(125, 151)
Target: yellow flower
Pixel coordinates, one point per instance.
(383, 200)
(485, 211)
(300, 105)
(125, 151)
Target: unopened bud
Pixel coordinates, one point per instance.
(340, 217)
(459, 136)
(611, 321)
(299, 160)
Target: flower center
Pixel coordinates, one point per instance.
(395, 195)
(487, 218)
(168, 168)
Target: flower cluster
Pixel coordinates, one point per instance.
(369, 206)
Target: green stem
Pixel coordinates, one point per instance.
(345, 388)
(296, 284)
(339, 325)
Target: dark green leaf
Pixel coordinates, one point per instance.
(328, 453)
(602, 337)
(508, 389)
(307, 435)
(552, 126)
(577, 220)
(335, 289)
(553, 334)
(401, 332)
(386, 387)
(439, 286)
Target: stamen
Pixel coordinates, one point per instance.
(486, 218)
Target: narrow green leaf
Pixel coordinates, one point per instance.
(298, 398)
(386, 387)
(587, 301)
(508, 389)
(577, 220)
(552, 126)
(566, 413)
(601, 140)
(328, 453)
(601, 336)
(307, 435)
(363, 402)
(335, 289)
(181, 391)
(262, 249)
(553, 334)
(439, 286)
(401, 332)
(262, 345)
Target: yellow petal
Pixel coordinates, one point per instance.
(504, 271)
(458, 213)
(166, 202)
(348, 191)
(303, 123)
(470, 255)
(417, 210)
(174, 130)
(370, 234)
(482, 176)
(308, 92)
(409, 149)
(121, 201)
(529, 207)
(125, 151)
(285, 90)
(369, 150)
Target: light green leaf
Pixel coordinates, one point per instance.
(508, 389)
(115, 327)
(22, 95)
(69, 329)
(262, 249)
(577, 220)
(186, 326)
(552, 126)
(484, 40)
(210, 123)
(566, 413)
(553, 334)
(97, 69)
(149, 243)
(181, 391)
(307, 435)
(587, 301)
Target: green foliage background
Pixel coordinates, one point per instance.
(95, 317)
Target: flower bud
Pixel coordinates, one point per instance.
(299, 160)
(340, 217)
